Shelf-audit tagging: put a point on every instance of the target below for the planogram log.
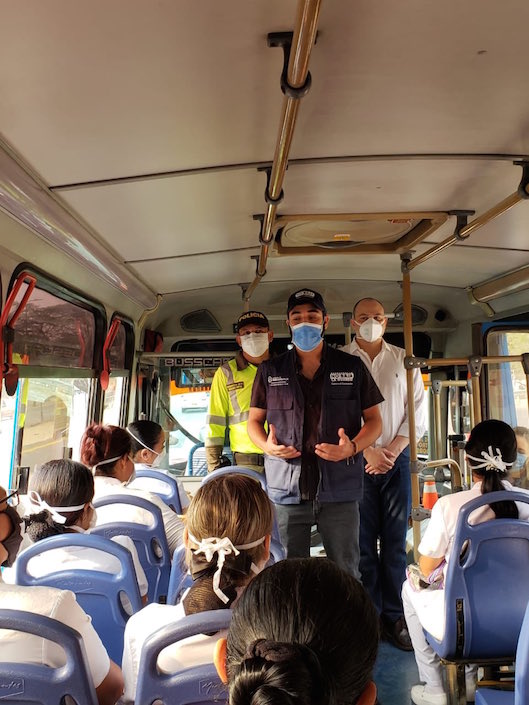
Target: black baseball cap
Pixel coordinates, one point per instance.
(252, 318)
(306, 296)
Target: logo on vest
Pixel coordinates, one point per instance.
(342, 377)
(278, 381)
(235, 385)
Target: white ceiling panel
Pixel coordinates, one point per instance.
(177, 216)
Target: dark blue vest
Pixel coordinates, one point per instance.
(341, 407)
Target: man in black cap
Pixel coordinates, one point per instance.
(315, 399)
(231, 390)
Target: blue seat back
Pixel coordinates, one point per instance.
(487, 584)
(170, 495)
(179, 579)
(31, 683)
(150, 541)
(195, 685)
(260, 477)
(98, 593)
(197, 464)
(521, 684)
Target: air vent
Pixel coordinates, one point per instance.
(357, 233)
(202, 321)
(419, 316)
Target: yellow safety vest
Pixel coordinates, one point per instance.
(229, 404)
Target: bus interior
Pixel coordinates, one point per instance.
(166, 166)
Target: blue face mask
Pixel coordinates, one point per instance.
(520, 460)
(307, 336)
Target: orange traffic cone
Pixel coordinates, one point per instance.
(429, 495)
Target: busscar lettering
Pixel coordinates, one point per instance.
(204, 362)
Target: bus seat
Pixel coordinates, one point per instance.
(197, 464)
(40, 684)
(520, 695)
(180, 579)
(196, 685)
(486, 591)
(150, 541)
(260, 477)
(100, 594)
(169, 493)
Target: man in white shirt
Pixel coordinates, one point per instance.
(386, 505)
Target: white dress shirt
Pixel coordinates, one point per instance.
(388, 371)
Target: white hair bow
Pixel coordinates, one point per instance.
(222, 547)
(489, 461)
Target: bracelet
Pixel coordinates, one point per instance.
(354, 452)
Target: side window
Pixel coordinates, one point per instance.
(507, 388)
(121, 355)
(55, 349)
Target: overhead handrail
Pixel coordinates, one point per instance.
(8, 370)
(464, 230)
(295, 83)
(104, 376)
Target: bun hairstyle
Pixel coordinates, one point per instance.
(144, 434)
(232, 507)
(491, 450)
(104, 443)
(59, 483)
(303, 632)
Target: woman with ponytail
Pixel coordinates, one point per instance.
(303, 633)
(108, 451)
(60, 497)
(491, 452)
(227, 537)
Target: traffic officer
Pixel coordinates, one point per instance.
(314, 399)
(231, 390)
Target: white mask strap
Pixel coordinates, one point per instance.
(489, 461)
(35, 498)
(223, 547)
(140, 442)
(106, 462)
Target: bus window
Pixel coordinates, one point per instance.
(54, 349)
(115, 397)
(507, 392)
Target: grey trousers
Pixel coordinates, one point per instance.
(337, 522)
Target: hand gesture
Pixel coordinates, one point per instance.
(335, 452)
(280, 451)
(379, 460)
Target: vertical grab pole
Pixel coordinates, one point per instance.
(436, 389)
(408, 344)
(525, 365)
(474, 367)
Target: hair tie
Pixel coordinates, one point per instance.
(489, 461)
(35, 498)
(274, 651)
(222, 547)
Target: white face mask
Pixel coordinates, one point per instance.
(370, 330)
(254, 344)
(160, 459)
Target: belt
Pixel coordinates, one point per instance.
(248, 458)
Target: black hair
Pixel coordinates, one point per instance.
(148, 432)
(304, 632)
(60, 483)
(496, 435)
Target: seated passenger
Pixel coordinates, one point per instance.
(107, 450)
(61, 494)
(491, 451)
(227, 534)
(61, 605)
(10, 534)
(304, 632)
(147, 452)
(520, 471)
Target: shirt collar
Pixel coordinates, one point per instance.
(105, 480)
(241, 362)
